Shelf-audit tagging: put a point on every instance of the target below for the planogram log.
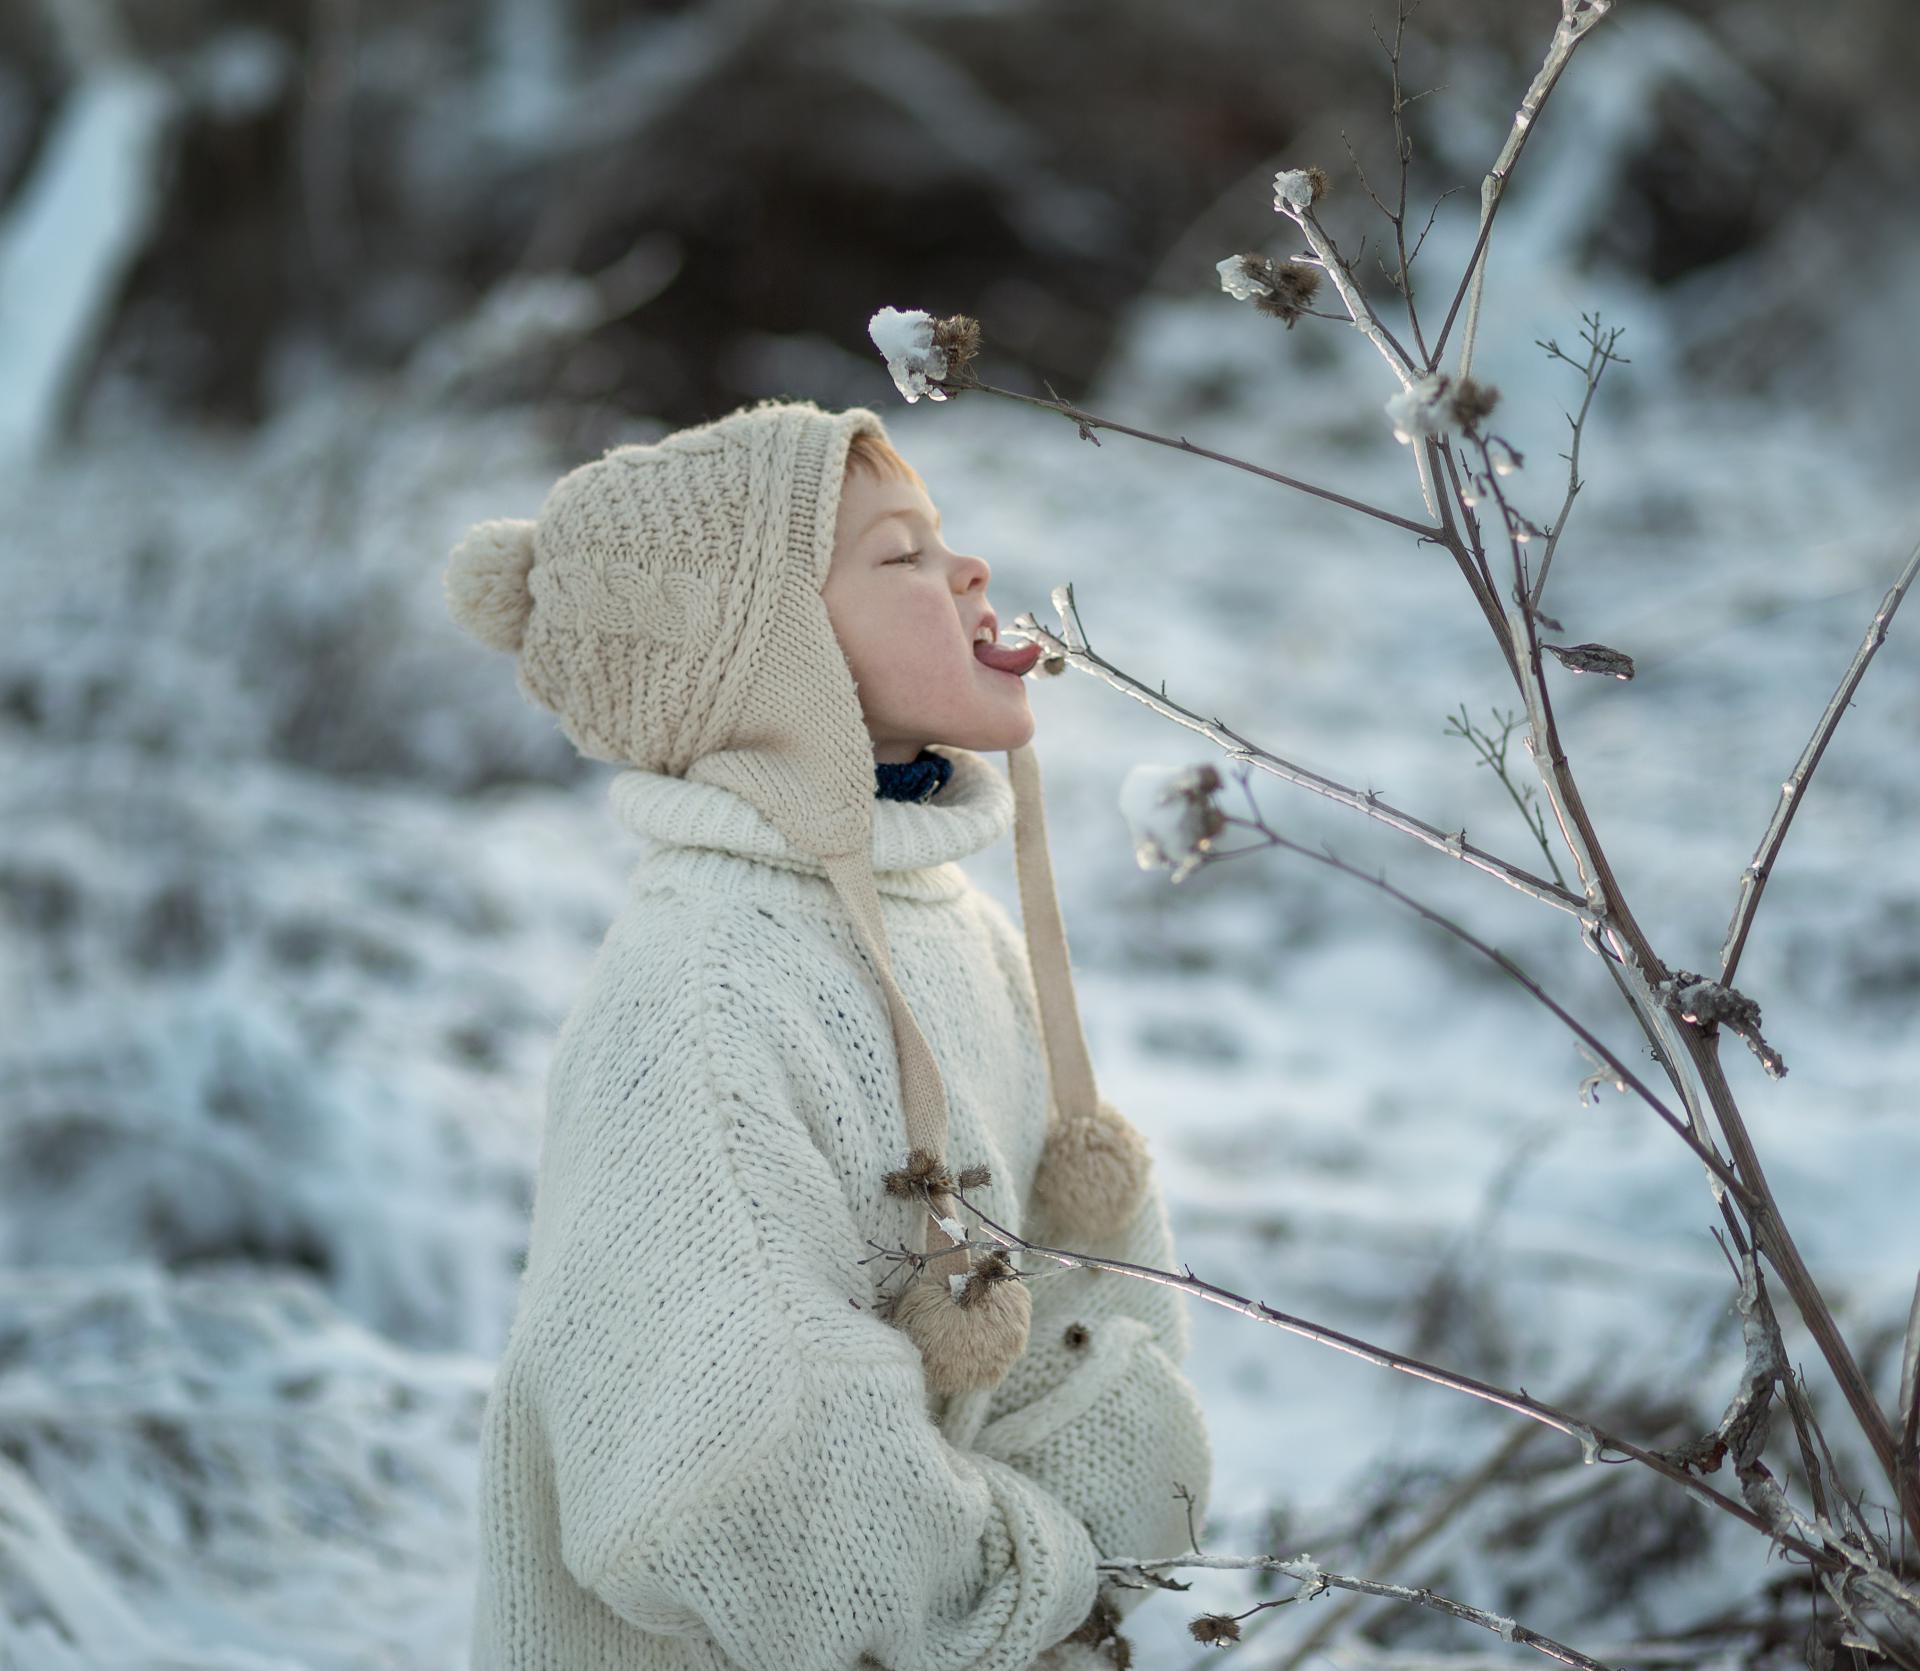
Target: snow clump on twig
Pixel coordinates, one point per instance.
(914, 359)
(1296, 189)
(1171, 814)
(1436, 403)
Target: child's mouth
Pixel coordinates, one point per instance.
(1018, 662)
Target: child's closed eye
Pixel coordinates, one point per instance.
(905, 557)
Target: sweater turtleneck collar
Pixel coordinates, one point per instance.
(970, 811)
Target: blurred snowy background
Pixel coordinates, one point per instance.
(295, 888)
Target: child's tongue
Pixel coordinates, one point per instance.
(1018, 661)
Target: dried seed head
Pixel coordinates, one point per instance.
(989, 1268)
(1593, 658)
(1100, 1623)
(1472, 402)
(1053, 665)
(1291, 287)
(1215, 1627)
(923, 1172)
(958, 337)
(975, 1177)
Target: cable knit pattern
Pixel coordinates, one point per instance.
(703, 1448)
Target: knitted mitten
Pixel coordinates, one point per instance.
(1093, 1172)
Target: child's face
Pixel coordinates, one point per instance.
(905, 609)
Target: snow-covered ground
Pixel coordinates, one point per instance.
(284, 957)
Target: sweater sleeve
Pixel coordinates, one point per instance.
(739, 1447)
(1099, 1411)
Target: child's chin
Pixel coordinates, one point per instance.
(997, 734)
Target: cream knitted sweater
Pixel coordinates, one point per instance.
(702, 1447)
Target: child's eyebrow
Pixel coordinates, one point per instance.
(903, 515)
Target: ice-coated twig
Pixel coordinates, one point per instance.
(1753, 879)
(1577, 18)
(1293, 196)
(1239, 748)
(1436, 1517)
(1315, 1579)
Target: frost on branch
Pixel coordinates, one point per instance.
(1171, 812)
(921, 352)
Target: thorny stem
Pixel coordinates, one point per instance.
(1753, 879)
(1593, 1439)
(1087, 422)
(1315, 1580)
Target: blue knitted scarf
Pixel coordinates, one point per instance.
(918, 779)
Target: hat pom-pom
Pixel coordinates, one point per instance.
(969, 1339)
(1093, 1172)
(486, 581)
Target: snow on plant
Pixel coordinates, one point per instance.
(1172, 815)
(1299, 188)
(1281, 288)
(1854, 1557)
(1420, 408)
(922, 352)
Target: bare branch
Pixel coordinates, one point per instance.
(1577, 18)
(1753, 879)
(1454, 844)
(1593, 1438)
(1600, 356)
(1315, 1581)
(1088, 422)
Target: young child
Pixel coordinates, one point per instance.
(727, 1430)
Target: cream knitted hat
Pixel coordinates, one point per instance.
(667, 606)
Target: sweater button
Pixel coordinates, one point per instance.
(1076, 1335)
